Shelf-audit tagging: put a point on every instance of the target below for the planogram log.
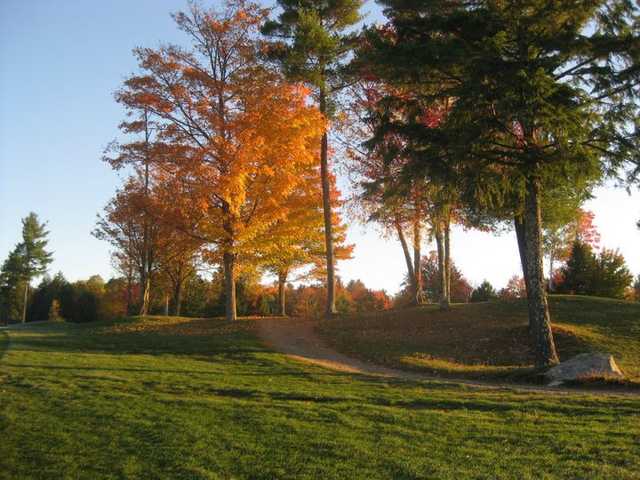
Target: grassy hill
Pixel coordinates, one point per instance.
(489, 340)
(163, 398)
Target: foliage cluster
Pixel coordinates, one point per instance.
(602, 274)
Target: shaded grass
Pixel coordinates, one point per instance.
(202, 399)
(489, 340)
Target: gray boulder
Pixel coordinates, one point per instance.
(585, 365)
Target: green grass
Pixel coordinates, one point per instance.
(203, 399)
(489, 340)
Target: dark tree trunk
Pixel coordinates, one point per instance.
(129, 292)
(518, 224)
(146, 253)
(417, 260)
(545, 349)
(407, 258)
(282, 288)
(177, 298)
(25, 301)
(326, 206)
(230, 286)
(447, 262)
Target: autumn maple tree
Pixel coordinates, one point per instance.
(137, 154)
(233, 138)
(297, 241)
(127, 225)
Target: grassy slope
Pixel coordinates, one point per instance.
(489, 340)
(200, 399)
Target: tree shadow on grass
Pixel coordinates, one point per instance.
(185, 337)
(4, 343)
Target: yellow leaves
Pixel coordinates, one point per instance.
(239, 152)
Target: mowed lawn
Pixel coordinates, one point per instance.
(489, 340)
(163, 398)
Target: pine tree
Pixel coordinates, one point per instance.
(579, 271)
(313, 40)
(483, 293)
(26, 262)
(11, 285)
(539, 91)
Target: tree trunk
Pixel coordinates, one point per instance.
(166, 305)
(407, 257)
(146, 252)
(442, 275)
(230, 286)
(145, 294)
(545, 349)
(326, 206)
(518, 224)
(282, 286)
(177, 298)
(129, 292)
(25, 301)
(417, 260)
(447, 261)
(551, 262)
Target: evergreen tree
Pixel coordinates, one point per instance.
(578, 273)
(11, 286)
(27, 261)
(49, 290)
(313, 40)
(603, 275)
(484, 293)
(36, 258)
(536, 91)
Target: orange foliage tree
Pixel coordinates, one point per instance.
(299, 240)
(127, 227)
(234, 141)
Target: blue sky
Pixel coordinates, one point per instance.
(60, 63)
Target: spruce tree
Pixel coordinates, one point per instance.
(311, 42)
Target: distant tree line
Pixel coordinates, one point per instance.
(93, 299)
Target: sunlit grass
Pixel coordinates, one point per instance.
(200, 399)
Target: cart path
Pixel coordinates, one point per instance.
(297, 339)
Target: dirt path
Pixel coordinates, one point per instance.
(297, 339)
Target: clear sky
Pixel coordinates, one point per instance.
(61, 61)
